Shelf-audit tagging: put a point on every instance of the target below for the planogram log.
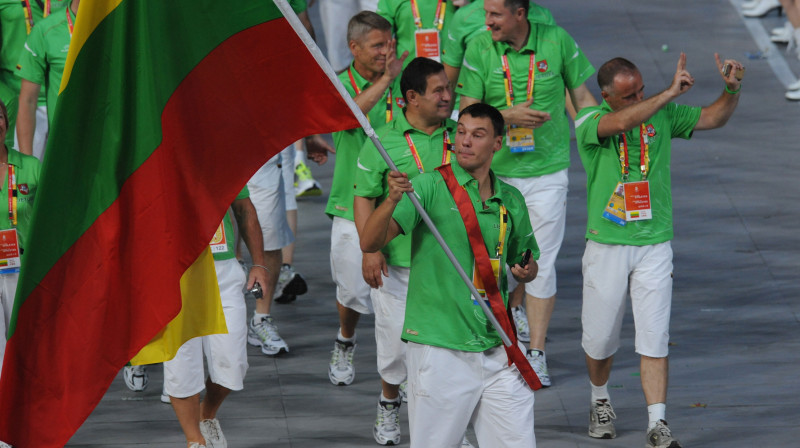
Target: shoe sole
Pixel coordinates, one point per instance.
(379, 441)
(255, 342)
(286, 298)
(336, 382)
(604, 436)
(310, 192)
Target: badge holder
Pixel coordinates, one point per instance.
(615, 210)
(427, 44)
(9, 251)
(520, 139)
(637, 201)
(219, 243)
(478, 281)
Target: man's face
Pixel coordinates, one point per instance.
(476, 142)
(3, 126)
(627, 89)
(370, 51)
(437, 102)
(502, 22)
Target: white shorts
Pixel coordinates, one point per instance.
(8, 288)
(287, 170)
(447, 389)
(39, 134)
(351, 289)
(226, 353)
(335, 15)
(270, 206)
(389, 302)
(546, 198)
(607, 270)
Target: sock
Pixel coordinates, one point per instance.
(344, 339)
(392, 400)
(259, 317)
(599, 392)
(656, 412)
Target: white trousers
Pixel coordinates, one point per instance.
(389, 302)
(351, 289)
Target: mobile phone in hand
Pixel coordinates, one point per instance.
(526, 258)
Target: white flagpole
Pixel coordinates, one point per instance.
(287, 11)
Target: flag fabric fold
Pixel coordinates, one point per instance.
(166, 109)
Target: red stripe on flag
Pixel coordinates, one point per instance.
(118, 285)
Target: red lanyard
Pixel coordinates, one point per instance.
(69, 22)
(485, 270)
(510, 86)
(438, 21)
(389, 114)
(26, 6)
(12, 195)
(644, 156)
(445, 153)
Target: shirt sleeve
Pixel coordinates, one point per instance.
(454, 42)
(521, 237)
(577, 68)
(370, 173)
(385, 10)
(586, 123)
(32, 63)
(244, 194)
(471, 82)
(405, 214)
(684, 119)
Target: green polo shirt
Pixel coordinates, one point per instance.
(298, 6)
(372, 169)
(600, 158)
(230, 237)
(440, 310)
(14, 32)
(27, 173)
(399, 14)
(348, 143)
(470, 21)
(559, 64)
(45, 54)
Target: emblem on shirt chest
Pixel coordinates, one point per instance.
(542, 66)
(400, 102)
(651, 133)
(23, 188)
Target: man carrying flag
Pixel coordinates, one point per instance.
(457, 372)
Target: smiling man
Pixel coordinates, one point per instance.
(418, 140)
(457, 371)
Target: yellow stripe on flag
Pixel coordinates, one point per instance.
(90, 14)
(201, 313)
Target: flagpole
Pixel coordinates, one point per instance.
(291, 17)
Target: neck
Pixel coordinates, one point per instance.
(369, 75)
(74, 7)
(423, 124)
(485, 185)
(4, 154)
(520, 38)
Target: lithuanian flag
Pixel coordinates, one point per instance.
(166, 109)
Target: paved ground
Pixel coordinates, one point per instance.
(735, 320)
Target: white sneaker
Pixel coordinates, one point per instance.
(782, 35)
(136, 377)
(762, 8)
(403, 392)
(521, 321)
(661, 437)
(750, 4)
(341, 370)
(601, 420)
(794, 86)
(196, 445)
(164, 396)
(793, 95)
(538, 361)
(212, 432)
(265, 334)
(4, 445)
(290, 285)
(387, 424)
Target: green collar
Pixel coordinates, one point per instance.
(464, 178)
(529, 47)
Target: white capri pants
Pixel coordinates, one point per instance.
(351, 289)
(268, 197)
(389, 302)
(335, 15)
(546, 198)
(608, 270)
(287, 171)
(447, 389)
(8, 288)
(226, 353)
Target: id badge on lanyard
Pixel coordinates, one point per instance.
(519, 139)
(9, 251)
(630, 201)
(427, 45)
(219, 243)
(478, 281)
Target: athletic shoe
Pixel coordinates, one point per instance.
(783, 35)
(403, 392)
(794, 86)
(465, 443)
(341, 370)
(212, 432)
(661, 437)
(164, 397)
(521, 321)
(290, 285)
(601, 420)
(538, 361)
(265, 334)
(306, 185)
(763, 8)
(136, 377)
(793, 95)
(387, 424)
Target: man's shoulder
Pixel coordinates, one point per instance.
(51, 23)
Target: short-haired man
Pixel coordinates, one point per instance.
(539, 61)
(420, 26)
(418, 140)
(372, 80)
(226, 354)
(458, 373)
(625, 146)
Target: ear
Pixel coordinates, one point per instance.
(353, 46)
(604, 94)
(498, 143)
(412, 96)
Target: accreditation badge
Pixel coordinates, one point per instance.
(427, 44)
(477, 280)
(615, 210)
(219, 243)
(637, 201)
(520, 139)
(9, 251)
